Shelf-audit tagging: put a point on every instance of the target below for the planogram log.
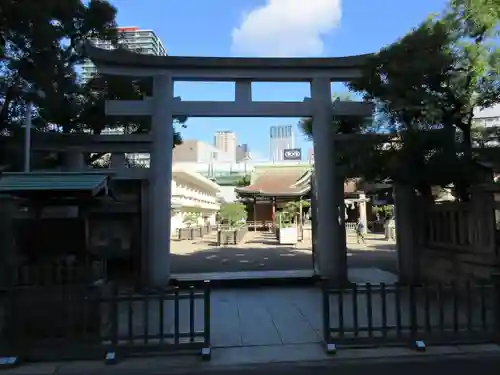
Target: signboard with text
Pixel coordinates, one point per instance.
(292, 154)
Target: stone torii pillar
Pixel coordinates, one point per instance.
(332, 257)
(160, 182)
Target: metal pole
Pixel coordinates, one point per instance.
(255, 213)
(27, 138)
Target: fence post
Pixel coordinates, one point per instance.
(495, 278)
(330, 347)
(412, 295)
(114, 315)
(111, 357)
(206, 351)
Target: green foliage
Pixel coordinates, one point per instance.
(243, 181)
(233, 213)
(39, 41)
(433, 78)
(284, 219)
(290, 212)
(344, 124)
(352, 155)
(191, 219)
(384, 211)
(294, 207)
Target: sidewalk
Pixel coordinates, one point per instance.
(301, 359)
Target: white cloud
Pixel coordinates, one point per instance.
(286, 28)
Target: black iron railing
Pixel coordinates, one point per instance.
(394, 314)
(84, 322)
(57, 274)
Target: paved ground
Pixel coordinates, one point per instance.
(262, 252)
(293, 360)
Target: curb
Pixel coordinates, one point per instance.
(193, 366)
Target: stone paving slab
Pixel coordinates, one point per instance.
(262, 252)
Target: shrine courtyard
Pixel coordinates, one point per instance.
(261, 252)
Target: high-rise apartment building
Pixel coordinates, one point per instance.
(136, 40)
(132, 38)
(225, 140)
(280, 138)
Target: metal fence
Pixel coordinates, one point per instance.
(382, 314)
(82, 322)
(50, 274)
(350, 226)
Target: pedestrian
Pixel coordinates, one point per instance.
(360, 228)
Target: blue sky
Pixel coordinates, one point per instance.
(284, 28)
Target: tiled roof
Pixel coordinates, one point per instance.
(279, 181)
(31, 182)
(284, 181)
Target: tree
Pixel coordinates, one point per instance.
(244, 181)
(191, 219)
(233, 213)
(292, 210)
(344, 124)
(358, 156)
(39, 41)
(433, 78)
(474, 80)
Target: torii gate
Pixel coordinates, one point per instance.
(163, 106)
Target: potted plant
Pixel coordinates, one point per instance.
(191, 219)
(188, 233)
(234, 216)
(287, 224)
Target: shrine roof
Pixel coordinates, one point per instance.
(286, 182)
(283, 181)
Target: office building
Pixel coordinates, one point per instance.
(194, 151)
(280, 138)
(225, 140)
(132, 38)
(242, 152)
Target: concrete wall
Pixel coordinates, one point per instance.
(228, 193)
(263, 212)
